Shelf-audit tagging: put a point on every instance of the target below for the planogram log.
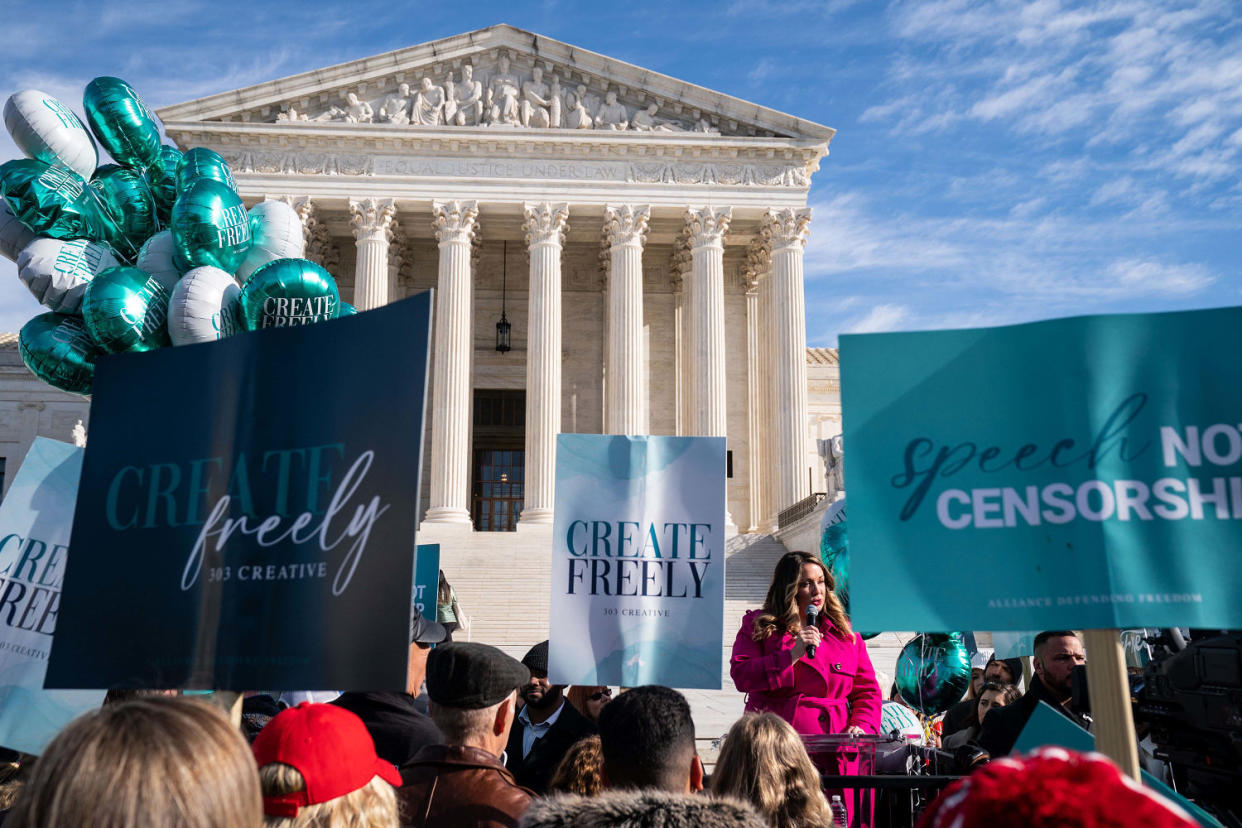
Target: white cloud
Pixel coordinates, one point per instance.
(965, 271)
(1153, 277)
(846, 237)
(1125, 73)
(880, 318)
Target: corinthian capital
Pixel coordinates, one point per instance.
(545, 223)
(455, 221)
(372, 218)
(305, 208)
(787, 227)
(758, 257)
(707, 226)
(681, 260)
(626, 224)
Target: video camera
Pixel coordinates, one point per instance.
(1188, 701)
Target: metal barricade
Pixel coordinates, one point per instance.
(885, 782)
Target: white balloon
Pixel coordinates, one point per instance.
(46, 129)
(203, 307)
(275, 233)
(13, 234)
(58, 271)
(156, 259)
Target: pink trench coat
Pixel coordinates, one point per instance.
(825, 694)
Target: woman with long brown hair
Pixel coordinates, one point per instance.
(818, 677)
(764, 763)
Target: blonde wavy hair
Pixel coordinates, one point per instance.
(156, 761)
(780, 607)
(764, 763)
(374, 804)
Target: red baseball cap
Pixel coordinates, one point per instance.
(329, 746)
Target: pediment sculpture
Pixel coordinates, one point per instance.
(501, 96)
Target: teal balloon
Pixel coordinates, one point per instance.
(162, 178)
(122, 123)
(54, 201)
(129, 201)
(200, 162)
(347, 310)
(57, 349)
(210, 227)
(834, 551)
(933, 672)
(288, 292)
(127, 310)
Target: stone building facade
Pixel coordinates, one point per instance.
(643, 237)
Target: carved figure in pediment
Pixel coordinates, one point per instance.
(502, 96)
(396, 109)
(468, 99)
(357, 111)
(535, 103)
(428, 104)
(334, 113)
(645, 120)
(579, 114)
(704, 127)
(289, 115)
(450, 99)
(611, 114)
(555, 103)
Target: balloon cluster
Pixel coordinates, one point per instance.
(933, 672)
(143, 253)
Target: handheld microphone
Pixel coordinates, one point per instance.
(812, 615)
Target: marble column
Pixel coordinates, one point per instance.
(626, 226)
(760, 260)
(372, 221)
(545, 228)
(455, 224)
(709, 416)
(788, 229)
(679, 265)
(754, 403)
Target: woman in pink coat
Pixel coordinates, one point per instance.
(835, 690)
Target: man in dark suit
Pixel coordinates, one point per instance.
(1057, 653)
(547, 727)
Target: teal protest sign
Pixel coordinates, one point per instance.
(35, 519)
(638, 561)
(1076, 473)
(426, 578)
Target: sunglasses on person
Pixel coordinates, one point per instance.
(600, 694)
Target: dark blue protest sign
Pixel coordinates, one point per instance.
(247, 510)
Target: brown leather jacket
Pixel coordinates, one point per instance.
(445, 786)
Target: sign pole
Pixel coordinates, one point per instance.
(1109, 690)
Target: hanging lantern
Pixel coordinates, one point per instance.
(503, 326)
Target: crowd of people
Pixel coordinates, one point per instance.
(499, 746)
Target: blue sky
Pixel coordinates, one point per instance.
(995, 162)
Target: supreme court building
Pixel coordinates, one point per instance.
(642, 236)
